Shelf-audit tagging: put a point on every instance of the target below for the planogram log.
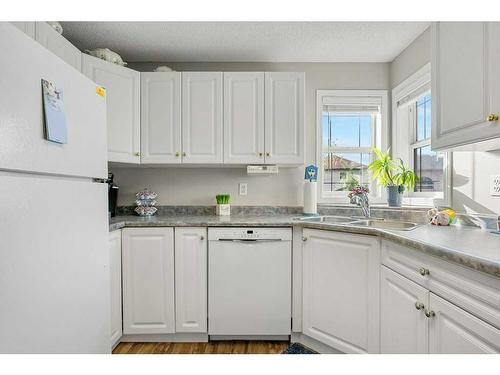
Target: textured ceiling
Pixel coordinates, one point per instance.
(247, 41)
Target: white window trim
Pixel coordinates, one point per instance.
(416, 82)
(381, 139)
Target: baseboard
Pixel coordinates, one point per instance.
(313, 344)
(167, 337)
(250, 337)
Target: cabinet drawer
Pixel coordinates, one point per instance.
(473, 291)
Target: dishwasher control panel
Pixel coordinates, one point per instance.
(251, 233)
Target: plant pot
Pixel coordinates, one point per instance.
(223, 209)
(394, 197)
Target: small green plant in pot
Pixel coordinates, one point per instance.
(395, 176)
(223, 207)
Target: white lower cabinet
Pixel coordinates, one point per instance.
(191, 279)
(403, 324)
(148, 280)
(341, 290)
(115, 261)
(455, 331)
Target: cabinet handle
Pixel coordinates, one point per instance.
(492, 117)
(429, 313)
(202, 238)
(261, 154)
(419, 305)
(268, 154)
(304, 239)
(177, 154)
(137, 153)
(183, 154)
(424, 271)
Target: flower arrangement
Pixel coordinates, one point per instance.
(358, 190)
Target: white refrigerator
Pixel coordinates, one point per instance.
(54, 260)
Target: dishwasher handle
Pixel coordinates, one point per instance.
(250, 240)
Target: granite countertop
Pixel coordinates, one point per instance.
(468, 246)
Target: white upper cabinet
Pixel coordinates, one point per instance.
(284, 118)
(57, 44)
(244, 118)
(191, 279)
(123, 107)
(202, 117)
(26, 27)
(148, 280)
(465, 85)
(403, 324)
(454, 331)
(341, 290)
(161, 117)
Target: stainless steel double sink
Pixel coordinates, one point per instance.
(362, 222)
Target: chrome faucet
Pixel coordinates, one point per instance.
(361, 199)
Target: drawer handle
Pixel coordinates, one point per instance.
(202, 238)
(429, 313)
(419, 305)
(424, 271)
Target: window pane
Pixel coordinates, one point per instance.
(344, 171)
(428, 117)
(429, 169)
(350, 130)
(424, 118)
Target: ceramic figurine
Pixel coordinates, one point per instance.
(163, 68)
(56, 26)
(107, 54)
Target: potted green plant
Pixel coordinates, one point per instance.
(223, 207)
(395, 176)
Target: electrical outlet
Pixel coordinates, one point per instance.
(243, 188)
(495, 184)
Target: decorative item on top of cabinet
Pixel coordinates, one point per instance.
(341, 294)
(123, 107)
(191, 279)
(161, 141)
(202, 132)
(284, 117)
(244, 118)
(48, 37)
(107, 55)
(163, 68)
(56, 26)
(465, 85)
(148, 280)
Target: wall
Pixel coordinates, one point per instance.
(193, 186)
(471, 170)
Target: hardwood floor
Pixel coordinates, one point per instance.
(212, 347)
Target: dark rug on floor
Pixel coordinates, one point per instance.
(297, 348)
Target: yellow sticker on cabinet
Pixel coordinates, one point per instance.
(101, 91)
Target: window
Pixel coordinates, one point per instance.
(350, 125)
(412, 125)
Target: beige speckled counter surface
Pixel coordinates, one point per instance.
(468, 246)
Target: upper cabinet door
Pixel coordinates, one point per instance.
(403, 324)
(161, 117)
(59, 45)
(202, 117)
(465, 80)
(455, 331)
(284, 136)
(243, 118)
(26, 27)
(123, 107)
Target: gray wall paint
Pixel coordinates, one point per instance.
(471, 170)
(189, 186)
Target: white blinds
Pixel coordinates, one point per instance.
(414, 96)
(347, 104)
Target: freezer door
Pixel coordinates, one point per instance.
(54, 274)
(23, 65)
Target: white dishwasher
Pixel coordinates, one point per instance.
(249, 281)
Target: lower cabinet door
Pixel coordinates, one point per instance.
(148, 280)
(341, 295)
(115, 261)
(191, 279)
(455, 331)
(403, 324)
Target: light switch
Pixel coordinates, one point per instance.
(495, 184)
(243, 188)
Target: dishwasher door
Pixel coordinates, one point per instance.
(249, 286)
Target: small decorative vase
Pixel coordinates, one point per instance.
(223, 210)
(394, 197)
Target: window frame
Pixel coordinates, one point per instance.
(379, 139)
(407, 138)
